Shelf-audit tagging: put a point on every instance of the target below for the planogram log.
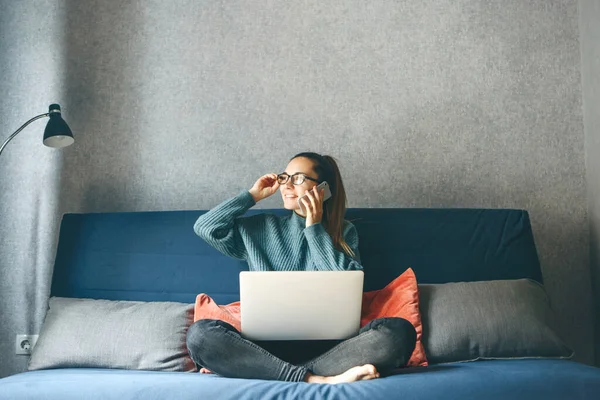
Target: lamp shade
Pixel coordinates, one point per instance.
(57, 133)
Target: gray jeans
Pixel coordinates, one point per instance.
(386, 343)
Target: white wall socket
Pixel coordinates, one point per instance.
(24, 344)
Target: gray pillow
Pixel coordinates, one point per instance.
(468, 321)
(114, 334)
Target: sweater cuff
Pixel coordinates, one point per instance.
(245, 199)
(315, 230)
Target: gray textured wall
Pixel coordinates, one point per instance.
(589, 27)
(181, 104)
(31, 78)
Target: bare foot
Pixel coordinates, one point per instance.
(361, 373)
(205, 371)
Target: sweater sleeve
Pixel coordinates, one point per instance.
(325, 257)
(220, 226)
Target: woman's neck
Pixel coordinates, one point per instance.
(299, 214)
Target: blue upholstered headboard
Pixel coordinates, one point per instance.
(156, 256)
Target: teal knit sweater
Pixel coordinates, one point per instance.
(271, 243)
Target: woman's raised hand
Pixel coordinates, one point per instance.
(313, 204)
(264, 187)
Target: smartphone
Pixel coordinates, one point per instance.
(326, 195)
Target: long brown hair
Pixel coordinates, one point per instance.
(334, 209)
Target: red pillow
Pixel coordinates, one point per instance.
(206, 308)
(400, 298)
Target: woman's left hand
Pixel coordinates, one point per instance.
(313, 204)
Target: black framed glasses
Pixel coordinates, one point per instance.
(297, 179)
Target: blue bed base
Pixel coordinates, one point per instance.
(155, 256)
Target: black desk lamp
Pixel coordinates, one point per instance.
(57, 133)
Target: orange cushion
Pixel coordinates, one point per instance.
(206, 308)
(400, 298)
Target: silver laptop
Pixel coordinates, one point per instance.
(300, 305)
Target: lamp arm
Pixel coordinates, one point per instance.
(20, 129)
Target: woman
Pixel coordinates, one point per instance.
(316, 238)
